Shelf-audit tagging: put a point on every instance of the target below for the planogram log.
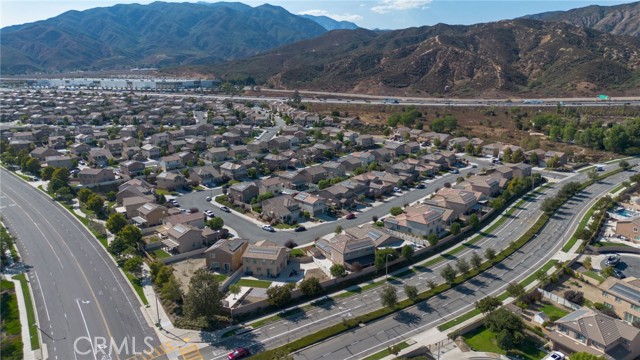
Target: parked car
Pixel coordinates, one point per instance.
(238, 354)
(208, 198)
(617, 273)
(556, 355)
(300, 228)
(225, 209)
(268, 228)
(612, 260)
(421, 186)
(396, 189)
(209, 213)
(455, 171)
(350, 216)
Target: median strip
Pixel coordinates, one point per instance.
(31, 317)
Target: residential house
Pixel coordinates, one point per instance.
(170, 162)
(57, 142)
(334, 169)
(486, 185)
(205, 175)
(150, 214)
(183, 238)
(283, 209)
(132, 168)
(365, 157)
(623, 297)
(100, 157)
(502, 172)
(350, 163)
(275, 162)
(272, 185)
(458, 143)
(420, 220)
(170, 180)
(225, 256)
(520, 169)
(80, 150)
(88, 176)
(347, 250)
(586, 330)
(562, 157)
(397, 148)
(60, 161)
(312, 204)
(279, 143)
(216, 154)
(243, 192)
(460, 201)
(629, 228)
(365, 141)
(150, 151)
(41, 153)
(115, 147)
(131, 204)
(294, 180)
(412, 147)
(313, 174)
(233, 171)
(265, 258)
(159, 139)
(196, 220)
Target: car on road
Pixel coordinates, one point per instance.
(421, 186)
(209, 213)
(455, 171)
(300, 228)
(396, 189)
(225, 209)
(208, 198)
(238, 353)
(556, 355)
(350, 216)
(268, 228)
(473, 166)
(612, 260)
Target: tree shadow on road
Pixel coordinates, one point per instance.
(406, 317)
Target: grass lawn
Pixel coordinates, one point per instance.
(284, 226)
(616, 189)
(11, 347)
(384, 353)
(254, 283)
(297, 252)
(31, 317)
(581, 225)
(460, 319)
(554, 313)
(359, 290)
(594, 275)
(482, 339)
(274, 318)
(160, 254)
(608, 243)
(531, 278)
(221, 278)
(136, 285)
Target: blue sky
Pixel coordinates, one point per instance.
(382, 14)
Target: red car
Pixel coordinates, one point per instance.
(350, 216)
(238, 353)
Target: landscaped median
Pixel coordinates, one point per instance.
(348, 324)
(31, 315)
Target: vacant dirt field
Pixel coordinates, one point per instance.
(184, 270)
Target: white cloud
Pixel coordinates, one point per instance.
(338, 17)
(386, 6)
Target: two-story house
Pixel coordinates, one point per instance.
(226, 255)
(265, 258)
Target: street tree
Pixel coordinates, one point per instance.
(396, 210)
(388, 296)
(624, 164)
(215, 223)
(338, 229)
(407, 252)
(463, 266)
(311, 287)
(46, 172)
(507, 327)
(448, 273)
(431, 284)
(383, 256)
(411, 292)
(490, 254)
(475, 260)
(95, 203)
(116, 222)
(133, 265)
(455, 228)
(515, 290)
(474, 221)
(279, 295)
(204, 298)
(337, 270)
(32, 166)
(171, 290)
(488, 304)
(131, 234)
(593, 174)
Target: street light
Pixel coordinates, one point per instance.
(386, 265)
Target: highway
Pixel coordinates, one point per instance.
(380, 334)
(79, 292)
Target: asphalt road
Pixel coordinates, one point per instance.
(249, 230)
(385, 332)
(79, 292)
(629, 265)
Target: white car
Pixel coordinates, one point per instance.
(556, 355)
(268, 228)
(209, 213)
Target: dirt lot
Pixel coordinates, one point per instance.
(185, 269)
(566, 283)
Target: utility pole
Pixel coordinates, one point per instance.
(386, 265)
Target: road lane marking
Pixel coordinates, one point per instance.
(93, 351)
(43, 298)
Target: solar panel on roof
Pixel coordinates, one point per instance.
(374, 235)
(266, 251)
(627, 292)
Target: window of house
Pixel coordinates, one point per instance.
(617, 299)
(607, 305)
(635, 307)
(630, 317)
(580, 337)
(605, 294)
(635, 229)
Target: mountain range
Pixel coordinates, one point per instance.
(155, 35)
(505, 57)
(621, 19)
(583, 50)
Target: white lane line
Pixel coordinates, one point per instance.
(43, 298)
(93, 351)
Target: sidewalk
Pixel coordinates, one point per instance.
(28, 353)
